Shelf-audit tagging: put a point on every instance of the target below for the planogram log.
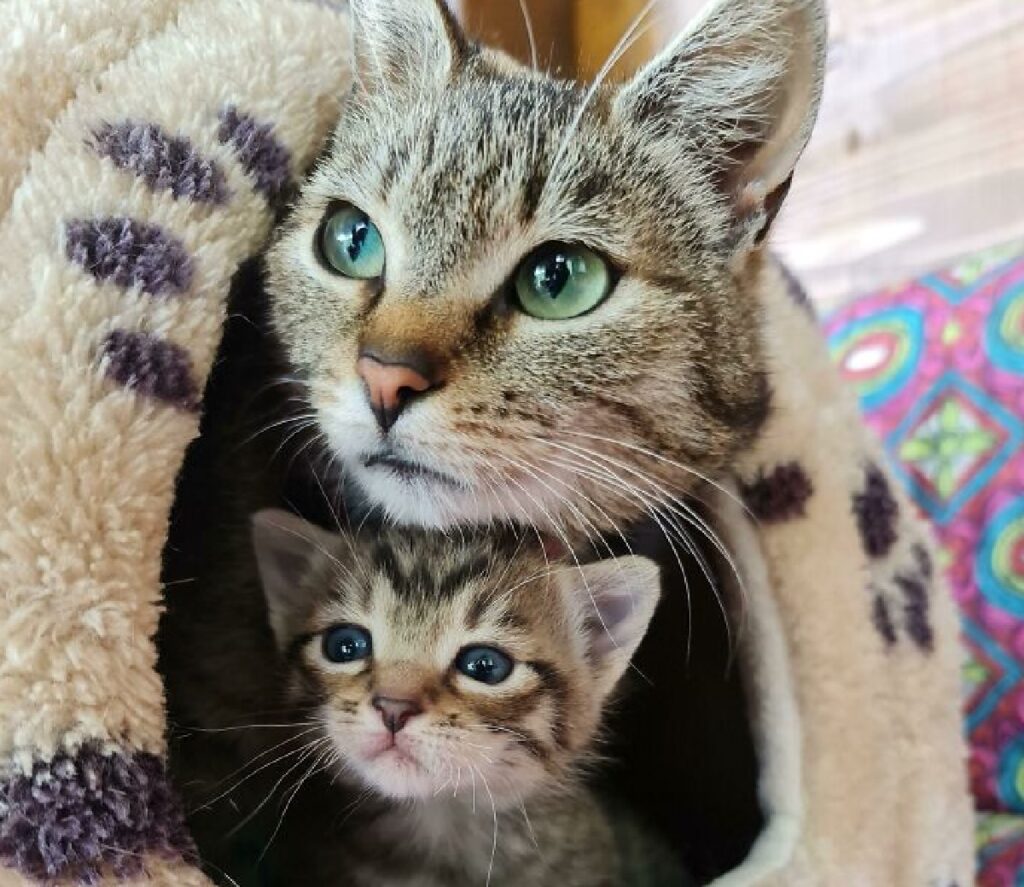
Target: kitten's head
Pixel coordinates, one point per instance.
(502, 287)
(432, 660)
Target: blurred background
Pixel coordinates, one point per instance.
(918, 157)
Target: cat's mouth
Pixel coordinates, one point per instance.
(406, 470)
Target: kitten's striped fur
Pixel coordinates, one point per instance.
(480, 757)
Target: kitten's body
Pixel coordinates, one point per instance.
(566, 841)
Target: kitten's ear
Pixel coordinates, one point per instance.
(617, 599)
(740, 89)
(404, 45)
(286, 546)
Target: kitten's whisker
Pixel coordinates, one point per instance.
(301, 736)
(308, 752)
(494, 842)
(311, 770)
(529, 825)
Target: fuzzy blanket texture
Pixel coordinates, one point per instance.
(939, 366)
(143, 148)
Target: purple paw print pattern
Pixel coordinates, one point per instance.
(137, 255)
(79, 816)
(938, 363)
(779, 494)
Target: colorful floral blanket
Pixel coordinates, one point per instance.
(939, 366)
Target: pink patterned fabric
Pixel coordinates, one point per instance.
(939, 366)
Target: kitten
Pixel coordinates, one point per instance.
(520, 297)
(460, 680)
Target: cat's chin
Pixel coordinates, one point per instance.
(422, 500)
(397, 775)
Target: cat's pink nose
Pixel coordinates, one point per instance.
(391, 386)
(395, 713)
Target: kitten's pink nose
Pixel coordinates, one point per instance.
(391, 386)
(396, 712)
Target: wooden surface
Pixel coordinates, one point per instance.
(918, 157)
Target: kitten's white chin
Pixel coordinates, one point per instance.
(396, 774)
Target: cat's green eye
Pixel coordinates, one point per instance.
(562, 280)
(351, 244)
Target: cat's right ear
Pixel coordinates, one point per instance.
(286, 546)
(403, 46)
(738, 91)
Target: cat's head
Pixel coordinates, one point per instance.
(502, 287)
(433, 662)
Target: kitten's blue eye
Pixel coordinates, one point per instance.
(347, 643)
(484, 664)
(351, 243)
(562, 280)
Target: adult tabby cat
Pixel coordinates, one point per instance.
(519, 297)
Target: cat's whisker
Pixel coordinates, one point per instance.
(658, 457)
(633, 492)
(559, 529)
(674, 506)
(354, 806)
(527, 517)
(315, 440)
(346, 536)
(284, 726)
(629, 37)
(531, 38)
(289, 420)
(585, 523)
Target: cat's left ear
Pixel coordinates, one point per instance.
(738, 91)
(402, 46)
(617, 599)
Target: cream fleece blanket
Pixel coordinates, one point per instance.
(143, 145)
